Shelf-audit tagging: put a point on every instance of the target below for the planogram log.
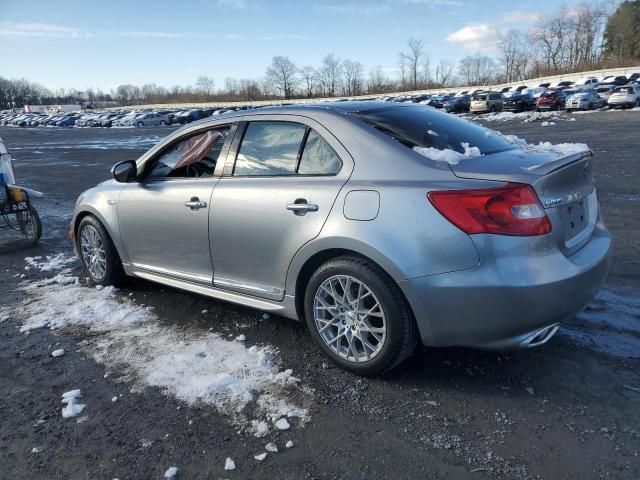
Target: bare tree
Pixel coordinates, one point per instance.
(513, 47)
(402, 70)
(329, 75)
(352, 74)
(282, 74)
(413, 60)
(308, 75)
(444, 72)
(205, 85)
(377, 80)
(476, 69)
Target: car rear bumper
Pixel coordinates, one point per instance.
(618, 104)
(512, 299)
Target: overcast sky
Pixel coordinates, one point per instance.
(101, 44)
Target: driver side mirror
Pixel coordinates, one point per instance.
(125, 172)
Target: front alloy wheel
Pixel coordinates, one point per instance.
(93, 252)
(98, 253)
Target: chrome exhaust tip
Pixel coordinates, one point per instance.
(539, 337)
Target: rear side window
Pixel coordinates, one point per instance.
(318, 158)
(426, 127)
(269, 148)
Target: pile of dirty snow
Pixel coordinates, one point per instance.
(195, 366)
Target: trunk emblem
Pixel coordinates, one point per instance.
(552, 202)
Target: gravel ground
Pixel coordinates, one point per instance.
(566, 410)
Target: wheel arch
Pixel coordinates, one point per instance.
(90, 211)
(307, 262)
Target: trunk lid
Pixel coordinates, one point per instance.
(564, 183)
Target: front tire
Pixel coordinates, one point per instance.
(97, 253)
(358, 316)
(140, 124)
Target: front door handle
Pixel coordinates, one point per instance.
(301, 206)
(195, 204)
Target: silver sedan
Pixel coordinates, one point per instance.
(345, 216)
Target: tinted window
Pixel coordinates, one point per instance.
(426, 127)
(269, 148)
(318, 158)
(193, 157)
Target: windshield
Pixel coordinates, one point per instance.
(428, 128)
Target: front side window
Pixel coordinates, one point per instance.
(269, 148)
(193, 157)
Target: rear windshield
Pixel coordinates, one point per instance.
(624, 90)
(427, 127)
(480, 97)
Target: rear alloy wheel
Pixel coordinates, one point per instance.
(162, 123)
(358, 316)
(97, 253)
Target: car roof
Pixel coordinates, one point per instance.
(346, 107)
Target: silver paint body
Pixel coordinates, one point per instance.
(247, 247)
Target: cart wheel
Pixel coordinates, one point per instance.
(30, 225)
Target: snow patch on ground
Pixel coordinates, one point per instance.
(72, 408)
(525, 117)
(195, 366)
(48, 263)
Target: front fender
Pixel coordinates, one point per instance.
(102, 203)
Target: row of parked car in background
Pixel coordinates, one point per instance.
(112, 118)
(587, 93)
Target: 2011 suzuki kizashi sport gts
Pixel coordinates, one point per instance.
(345, 215)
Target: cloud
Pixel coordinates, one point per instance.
(519, 16)
(46, 30)
(282, 36)
(475, 38)
(37, 30)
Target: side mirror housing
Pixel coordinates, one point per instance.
(125, 172)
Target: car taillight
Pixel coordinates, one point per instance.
(513, 209)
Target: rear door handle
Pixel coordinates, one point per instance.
(301, 207)
(195, 204)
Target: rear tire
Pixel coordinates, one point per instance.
(140, 124)
(162, 123)
(97, 253)
(334, 322)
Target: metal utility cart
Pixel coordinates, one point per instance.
(17, 213)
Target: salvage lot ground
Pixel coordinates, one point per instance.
(566, 410)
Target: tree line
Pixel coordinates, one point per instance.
(570, 39)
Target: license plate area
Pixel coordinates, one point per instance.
(575, 218)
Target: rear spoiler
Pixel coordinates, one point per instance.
(561, 162)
